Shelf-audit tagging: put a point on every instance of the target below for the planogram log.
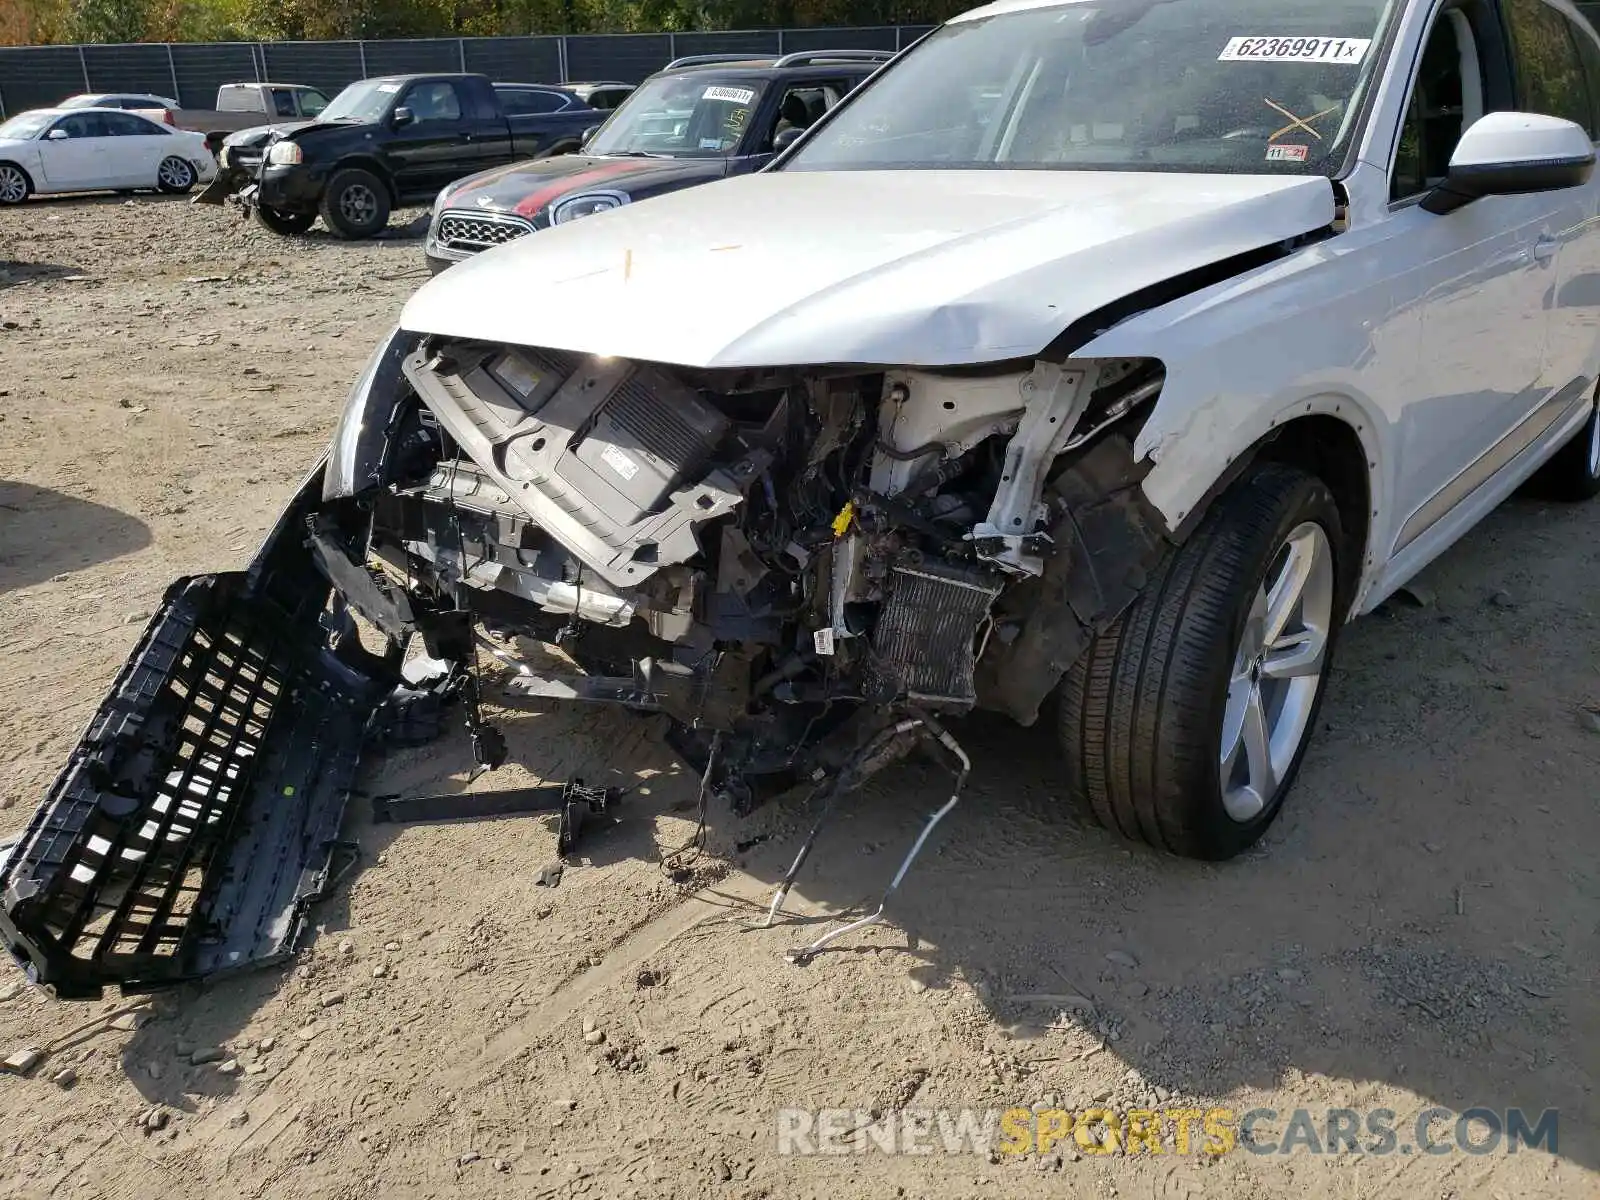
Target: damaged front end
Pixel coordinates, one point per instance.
(790, 560)
(805, 570)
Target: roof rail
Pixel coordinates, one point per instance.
(807, 57)
(694, 60)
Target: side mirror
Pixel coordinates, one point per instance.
(785, 139)
(56, 135)
(403, 116)
(1512, 154)
(588, 136)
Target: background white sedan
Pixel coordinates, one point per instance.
(89, 149)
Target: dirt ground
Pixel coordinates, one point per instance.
(1420, 929)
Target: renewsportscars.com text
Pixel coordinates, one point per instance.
(1020, 1131)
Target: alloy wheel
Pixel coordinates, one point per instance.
(1594, 443)
(175, 173)
(357, 204)
(1277, 671)
(13, 185)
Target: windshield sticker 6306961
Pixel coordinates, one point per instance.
(734, 95)
(1348, 51)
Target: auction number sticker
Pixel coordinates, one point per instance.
(731, 94)
(1349, 51)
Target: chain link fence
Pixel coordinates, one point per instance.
(39, 76)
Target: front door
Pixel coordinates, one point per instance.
(73, 153)
(1558, 74)
(1480, 286)
(428, 152)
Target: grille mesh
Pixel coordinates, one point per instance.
(471, 232)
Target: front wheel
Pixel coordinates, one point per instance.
(14, 184)
(289, 224)
(175, 175)
(1185, 722)
(356, 204)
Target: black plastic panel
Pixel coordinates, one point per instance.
(757, 43)
(38, 76)
(413, 57)
(880, 37)
(199, 814)
(203, 69)
(129, 69)
(628, 57)
(516, 60)
(326, 65)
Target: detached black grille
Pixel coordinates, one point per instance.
(468, 232)
(198, 816)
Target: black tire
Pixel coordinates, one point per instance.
(176, 176)
(289, 224)
(1573, 472)
(16, 185)
(1142, 711)
(355, 204)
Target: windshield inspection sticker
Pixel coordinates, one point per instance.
(732, 94)
(1283, 153)
(1348, 51)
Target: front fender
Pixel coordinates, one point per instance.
(1312, 334)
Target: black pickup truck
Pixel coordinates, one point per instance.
(385, 142)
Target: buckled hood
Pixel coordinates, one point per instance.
(916, 268)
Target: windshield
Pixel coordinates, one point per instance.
(695, 115)
(1239, 86)
(80, 102)
(366, 100)
(25, 125)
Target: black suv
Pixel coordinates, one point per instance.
(388, 141)
(697, 120)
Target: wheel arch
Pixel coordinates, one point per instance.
(1334, 435)
(1114, 536)
(1330, 448)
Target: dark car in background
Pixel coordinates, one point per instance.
(604, 94)
(699, 119)
(389, 141)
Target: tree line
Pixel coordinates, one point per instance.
(44, 22)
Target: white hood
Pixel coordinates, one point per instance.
(909, 268)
